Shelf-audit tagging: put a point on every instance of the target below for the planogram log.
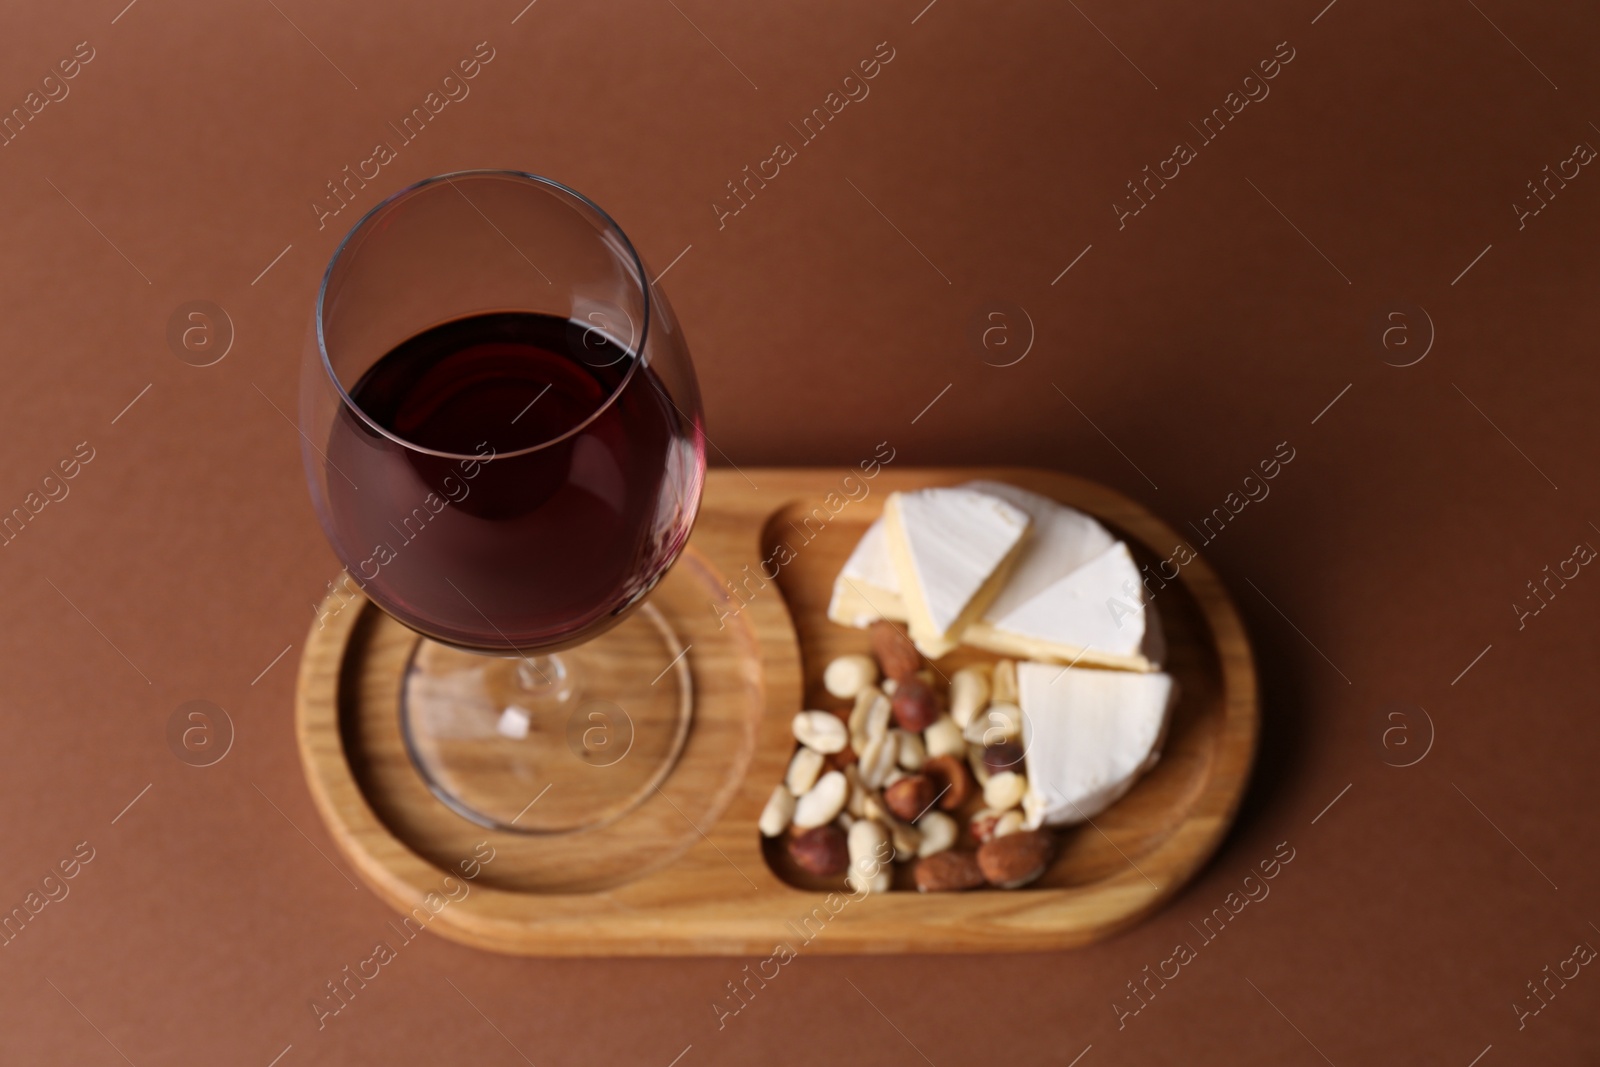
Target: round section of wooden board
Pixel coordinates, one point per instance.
(687, 873)
(368, 655)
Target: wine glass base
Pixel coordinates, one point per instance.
(550, 744)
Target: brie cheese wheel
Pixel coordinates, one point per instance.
(952, 550)
(1089, 735)
(1096, 614)
(1045, 610)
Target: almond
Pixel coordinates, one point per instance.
(952, 782)
(947, 872)
(915, 705)
(896, 654)
(909, 797)
(1016, 859)
(820, 850)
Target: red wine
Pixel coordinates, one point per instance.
(559, 482)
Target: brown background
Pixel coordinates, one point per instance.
(1196, 339)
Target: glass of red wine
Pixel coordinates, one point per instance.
(502, 435)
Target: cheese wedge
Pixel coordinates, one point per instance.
(867, 589)
(1060, 540)
(1096, 614)
(951, 550)
(1099, 618)
(1089, 735)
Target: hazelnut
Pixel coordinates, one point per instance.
(909, 797)
(915, 706)
(1006, 756)
(821, 850)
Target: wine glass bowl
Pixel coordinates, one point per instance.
(503, 439)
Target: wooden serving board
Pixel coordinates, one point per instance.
(687, 872)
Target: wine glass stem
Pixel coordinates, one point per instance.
(543, 682)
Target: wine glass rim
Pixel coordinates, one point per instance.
(638, 350)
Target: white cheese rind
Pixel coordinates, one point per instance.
(1089, 735)
(1023, 620)
(1095, 614)
(950, 549)
(1061, 540)
(867, 589)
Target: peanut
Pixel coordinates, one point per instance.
(944, 738)
(776, 815)
(804, 769)
(820, 731)
(849, 675)
(868, 846)
(823, 802)
(969, 692)
(939, 832)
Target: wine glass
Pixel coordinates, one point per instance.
(502, 435)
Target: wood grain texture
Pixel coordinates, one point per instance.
(687, 873)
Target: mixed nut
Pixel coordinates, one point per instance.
(901, 766)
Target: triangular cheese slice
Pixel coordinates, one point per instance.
(867, 589)
(1095, 614)
(1089, 736)
(951, 550)
(1019, 621)
(1060, 540)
